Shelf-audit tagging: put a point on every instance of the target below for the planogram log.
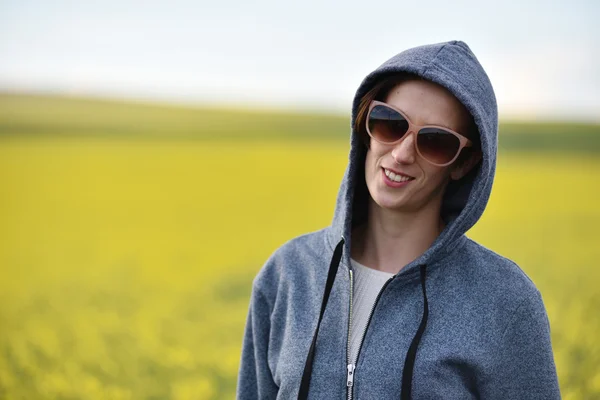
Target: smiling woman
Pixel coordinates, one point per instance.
(393, 299)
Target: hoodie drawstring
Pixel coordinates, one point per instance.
(333, 267)
(409, 362)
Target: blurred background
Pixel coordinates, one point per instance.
(153, 155)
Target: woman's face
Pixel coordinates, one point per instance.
(424, 103)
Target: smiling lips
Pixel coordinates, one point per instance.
(396, 176)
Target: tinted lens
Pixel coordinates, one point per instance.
(437, 145)
(386, 125)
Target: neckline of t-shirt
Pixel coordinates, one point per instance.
(369, 269)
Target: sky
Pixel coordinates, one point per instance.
(542, 57)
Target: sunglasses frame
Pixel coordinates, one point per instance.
(414, 128)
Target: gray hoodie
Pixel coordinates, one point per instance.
(458, 322)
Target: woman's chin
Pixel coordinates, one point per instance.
(392, 203)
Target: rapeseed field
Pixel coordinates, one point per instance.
(126, 264)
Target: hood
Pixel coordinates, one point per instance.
(453, 65)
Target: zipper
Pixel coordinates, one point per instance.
(351, 366)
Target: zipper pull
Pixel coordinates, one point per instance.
(350, 380)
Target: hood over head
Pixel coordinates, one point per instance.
(452, 65)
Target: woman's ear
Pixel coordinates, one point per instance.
(462, 169)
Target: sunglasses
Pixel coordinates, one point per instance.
(438, 145)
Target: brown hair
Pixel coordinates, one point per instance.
(380, 91)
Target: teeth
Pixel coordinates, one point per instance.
(394, 177)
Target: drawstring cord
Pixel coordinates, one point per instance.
(333, 267)
(409, 362)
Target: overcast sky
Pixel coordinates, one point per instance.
(543, 57)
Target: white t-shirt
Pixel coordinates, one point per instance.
(366, 287)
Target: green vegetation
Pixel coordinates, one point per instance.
(66, 116)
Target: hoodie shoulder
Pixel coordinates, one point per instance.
(497, 275)
(297, 258)
(490, 291)
(510, 310)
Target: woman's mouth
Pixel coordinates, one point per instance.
(394, 179)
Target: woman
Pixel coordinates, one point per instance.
(392, 300)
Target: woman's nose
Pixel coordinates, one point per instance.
(404, 152)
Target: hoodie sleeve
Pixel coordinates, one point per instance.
(255, 380)
(523, 367)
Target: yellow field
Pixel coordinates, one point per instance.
(126, 265)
